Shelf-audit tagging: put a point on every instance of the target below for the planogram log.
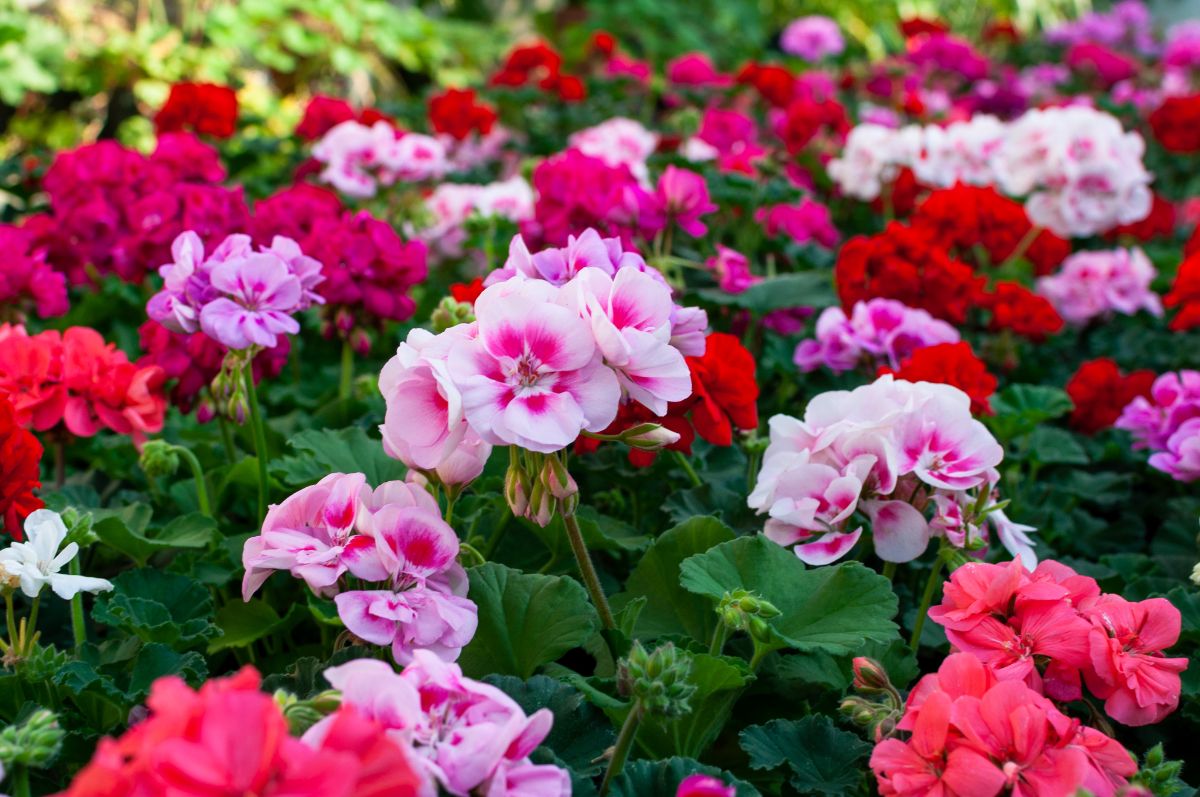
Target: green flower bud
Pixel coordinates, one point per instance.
(658, 680)
(742, 610)
(450, 313)
(159, 458)
(649, 436)
(35, 742)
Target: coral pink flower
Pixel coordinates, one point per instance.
(1139, 685)
(533, 377)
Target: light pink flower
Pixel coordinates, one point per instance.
(618, 142)
(877, 332)
(630, 320)
(943, 445)
(533, 376)
(1092, 284)
(417, 618)
(812, 38)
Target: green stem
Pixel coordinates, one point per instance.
(1022, 246)
(687, 468)
(889, 570)
(227, 439)
(260, 441)
(77, 623)
(760, 652)
(935, 580)
(719, 637)
(20, 781)
(621, 749)
(588, 572)
(198, 475)
(450, 501)
(11, 619)
(346, 384)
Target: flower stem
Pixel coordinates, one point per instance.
(935, 580)
(1022, 246)
(693, 477)
(720, 634)
(588, 572)
(346, 383)
(260, 441)
(889, 570)
(20, 781)
(621, 749)
(10, 619)
(77, 623)
(198, 475)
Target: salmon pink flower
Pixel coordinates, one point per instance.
(1139, 685)
(533, 376)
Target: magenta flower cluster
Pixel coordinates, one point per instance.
(238, 295)
(1168, 424)
(877, 332)
(392, 537)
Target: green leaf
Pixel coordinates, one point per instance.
(835, 608)
(801, 289)
(719, 683)
(154, 661)
(1049, 445)
(580, 734)
(127, 533)
(670, 609)
(822, 759)
(243, 623)
(643, 778)
(324, 451)
(1019, 409)
(525, 620)
(158, 607)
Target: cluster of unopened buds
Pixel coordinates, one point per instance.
(657, 681)
(878, 706)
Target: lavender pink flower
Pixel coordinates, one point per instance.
(877, 332)
(1093, 284)
(812, 38)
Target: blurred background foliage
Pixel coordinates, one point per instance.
(77, 69)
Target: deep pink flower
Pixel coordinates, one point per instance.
(699, 785)
(695, 69)
(804, 222)
(25, 277)
(732, 270)
(681, 197)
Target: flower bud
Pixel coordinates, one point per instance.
(869, 675)
(159, 458)
(742, 610)
(1196, 575)
(658, 680)
(649, 437)
(35, 742)
(859, 710)
(542, 505)
(450, 313)
(343, 319)
(516, 491)
(557, 480)
(205, 411)
(360, 341)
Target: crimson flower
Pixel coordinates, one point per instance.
(20, 455)
(204, 108)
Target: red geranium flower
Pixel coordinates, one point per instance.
(1159, 224)
(467, 292)
(1015, 307)
(904, 264)
(20, 455)
(918, 26)
(1100, 392)
(1176, 123)
(204, 108)
(1185, 294)
(775, 84)
(806, 118)
(724, 389)
(950, 364)
(457, 113)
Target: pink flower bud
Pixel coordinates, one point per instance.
(704, 786)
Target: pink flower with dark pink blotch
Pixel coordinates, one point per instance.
(681, 197)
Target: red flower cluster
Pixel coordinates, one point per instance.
(973, 732)
(204, 108)
(20, 456)
(1053, 629)
(1159, 224)
(1015, 307)
(541, 65)
(724, 397)
(950, 364)
(467, 292)
(230, 738)
(806, 118)
(1185, 294)
(457, 113)
(77, 379)
(775, 84)
(116, 210)
(1176, 123)
(26, 278)
(903, 263)
(368, 269)
(963, 217)
(322, 114)
(195, 360)
(1100, 391)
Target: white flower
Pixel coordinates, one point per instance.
(37, 561)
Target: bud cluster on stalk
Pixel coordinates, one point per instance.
(878, 706)
(658, 680)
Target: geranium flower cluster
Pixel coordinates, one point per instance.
(538, 64)
(451, 205)
(359, 158)
(323, 113)
(392, 537)
(465, 736)
(231, 737)
(972, 733)
(907, 456)
(1053, 629)
(1185, 292)
(1167, 422)
(812, 38)
(368, 270)
(238, 296)
(1098, 283)
(877, 332)
(950, 364)
(561, 338)
(1081, 173)
(115, 210)
(20, 458)
(205, 108)
(1100, 392)
(76, 379)
(618, 142)
(26, 279)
